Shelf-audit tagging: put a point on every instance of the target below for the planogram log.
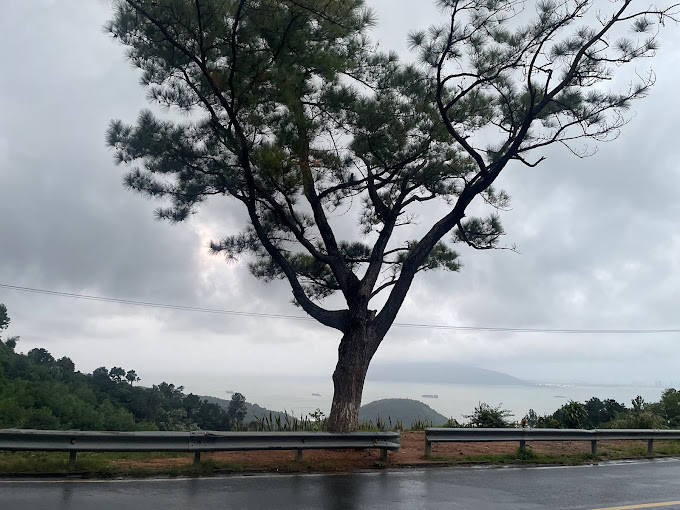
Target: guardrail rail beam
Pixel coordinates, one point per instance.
(74, 441)
(524, 435)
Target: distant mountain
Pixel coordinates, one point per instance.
(405, 410)
(439, 372)
(252, 410)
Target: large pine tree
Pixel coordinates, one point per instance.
(295, 113)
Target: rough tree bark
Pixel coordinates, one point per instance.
(357, 347)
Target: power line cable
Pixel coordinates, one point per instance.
(301, 318)
(153, 305)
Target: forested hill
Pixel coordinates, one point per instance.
(253, 411)
(40, 392)
(404, 410)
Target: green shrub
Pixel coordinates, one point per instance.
(489, 417)
(572, 415)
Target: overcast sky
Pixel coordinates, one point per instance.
(599, 238)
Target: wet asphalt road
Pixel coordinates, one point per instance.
(602, 486)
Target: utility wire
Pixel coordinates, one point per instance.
(302, 318)
(153, 305)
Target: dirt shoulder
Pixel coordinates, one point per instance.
(412, 454)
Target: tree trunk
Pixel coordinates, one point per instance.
(354, 355)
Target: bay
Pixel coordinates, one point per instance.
(303, 396)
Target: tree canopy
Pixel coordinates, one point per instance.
(37, 391)
(4, 318)
(237, 408)
(291, 110)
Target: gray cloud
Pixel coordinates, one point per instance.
(67, 221)
(599, 237)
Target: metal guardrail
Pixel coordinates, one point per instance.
(239, 441)
(471, 435)
(74, 441)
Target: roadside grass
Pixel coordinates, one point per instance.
(49, 462)
(607, 451)
(617, 450)
(107, 465)
(519, 457)
(113, 464)
(96, 463)
(670, 448)
(145, 464)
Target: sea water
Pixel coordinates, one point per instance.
(301, 397)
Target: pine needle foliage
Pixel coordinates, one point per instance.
(290, 109)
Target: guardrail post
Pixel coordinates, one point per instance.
(72, 460)
(650, 446)
(298, 455)
(428, 448)
(383, 454)
(593, 447)
(197, 458)
(522, 445)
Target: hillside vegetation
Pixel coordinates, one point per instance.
(403, 411)
(40, 392)
(254, 412)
